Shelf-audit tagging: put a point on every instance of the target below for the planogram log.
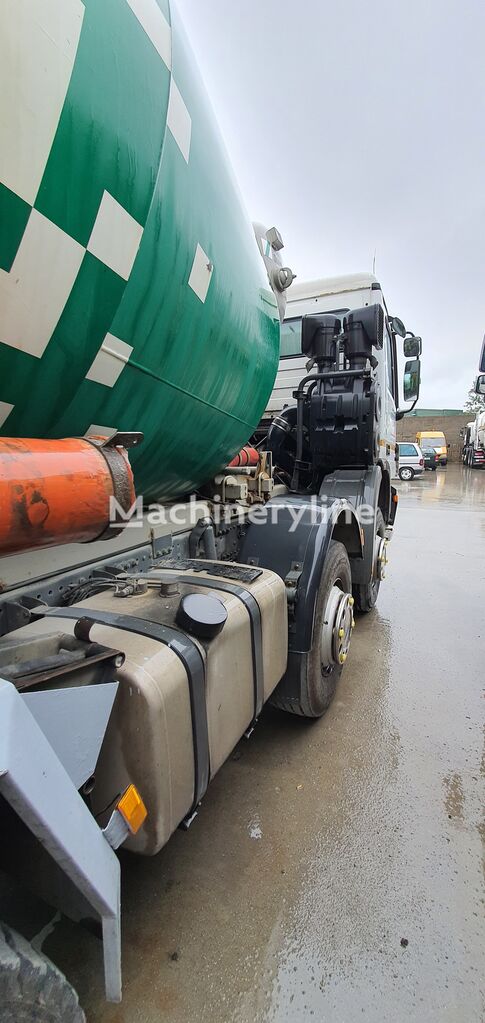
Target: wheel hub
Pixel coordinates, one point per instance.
(338, 623)
(381, 557)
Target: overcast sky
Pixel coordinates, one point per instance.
(359, 128)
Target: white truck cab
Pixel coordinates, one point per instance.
(338, 296)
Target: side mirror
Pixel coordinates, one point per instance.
(480, 384)
(412, 379)
(412, 347)
(397, 326)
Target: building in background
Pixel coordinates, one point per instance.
(449, 421)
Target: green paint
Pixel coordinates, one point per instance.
(200, 373)
(112, 125)
(14, 214)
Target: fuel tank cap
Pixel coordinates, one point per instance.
(201, 614)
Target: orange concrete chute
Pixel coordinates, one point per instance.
(58, 491)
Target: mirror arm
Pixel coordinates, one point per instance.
(405, 412)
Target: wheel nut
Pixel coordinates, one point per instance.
(351, 601)
(341, 633)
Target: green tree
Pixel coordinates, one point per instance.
(475, 402)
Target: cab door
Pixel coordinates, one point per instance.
(387, 425)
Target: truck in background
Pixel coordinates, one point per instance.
(474, 443)
(143, 628)
(433, 439)
(474, 438)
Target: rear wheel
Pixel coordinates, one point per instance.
(32, 989)
(366, 595)
(406, 473)
(311, 678)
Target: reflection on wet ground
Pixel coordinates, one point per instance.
(335, 871)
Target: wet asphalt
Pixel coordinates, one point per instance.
(335, 871)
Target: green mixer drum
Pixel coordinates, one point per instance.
(132, 292)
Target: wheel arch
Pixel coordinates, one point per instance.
(359, 488)
(347, 531)
(296, 551)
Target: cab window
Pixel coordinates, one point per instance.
(290, 337)
(290, 333)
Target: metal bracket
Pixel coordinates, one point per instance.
(36, 785)
(124, 440)
(291, 581)
(189, 819)
(113, 439)
(17, 612)
(116, 831)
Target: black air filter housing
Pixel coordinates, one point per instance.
(319, 332)
(364, 330)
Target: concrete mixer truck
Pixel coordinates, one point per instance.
(161, 577)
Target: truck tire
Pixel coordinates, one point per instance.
(32, 989)
(308, 686)
(366, 594)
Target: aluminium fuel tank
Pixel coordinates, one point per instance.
(171, 728)
(132, 292)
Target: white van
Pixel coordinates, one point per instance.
(411, 460)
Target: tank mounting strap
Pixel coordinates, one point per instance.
(187, 651)
(252, 607)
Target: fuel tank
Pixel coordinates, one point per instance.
(176, 718)
(132, 292)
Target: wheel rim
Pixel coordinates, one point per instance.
(406, 474)
(337, 626)
(381, 557)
